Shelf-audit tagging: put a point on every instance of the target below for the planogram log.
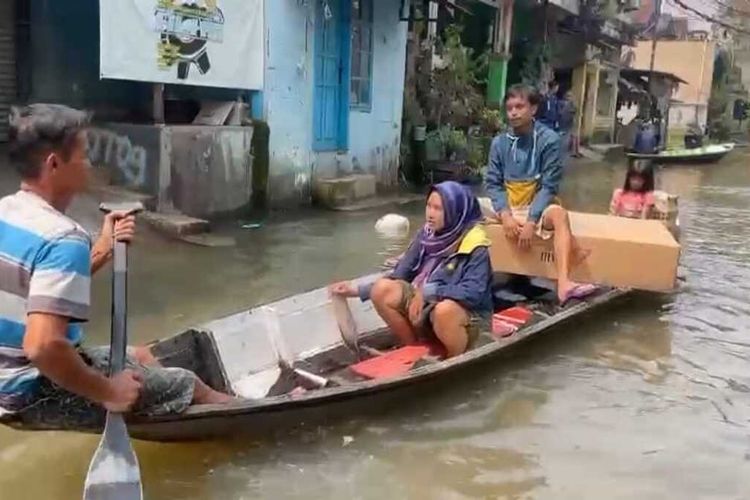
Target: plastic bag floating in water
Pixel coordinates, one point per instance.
(392, 225)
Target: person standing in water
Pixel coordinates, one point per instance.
(566, 122)
(442, 284)
(646, 139)
(523, 181)
(548, 108)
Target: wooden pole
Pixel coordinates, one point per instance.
(657, 15)
(432, 15)
(699, 92)
(498, 31)
(501, 40)
(651, 88)
(432, 26)
(508, 31)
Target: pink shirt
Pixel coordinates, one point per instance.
(630, 203)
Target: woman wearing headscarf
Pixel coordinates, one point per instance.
(442, 284)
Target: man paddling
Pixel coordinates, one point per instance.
(47, 379)
(523, 180)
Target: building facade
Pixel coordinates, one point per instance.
(693, 62)
(333, 95)
(331, 98)
(585, 58)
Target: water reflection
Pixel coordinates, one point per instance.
(642, 343)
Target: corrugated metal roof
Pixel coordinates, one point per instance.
(644, 72)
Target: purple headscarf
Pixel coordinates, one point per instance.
(461, 212)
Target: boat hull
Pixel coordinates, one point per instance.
(284, 413)
(708, 157)
(268, 416)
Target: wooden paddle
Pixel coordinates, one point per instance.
(114, 473)
(346, 324)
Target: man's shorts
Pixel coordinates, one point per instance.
(477, 322)
(543, 230)
(165, 391)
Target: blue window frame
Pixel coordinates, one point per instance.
(360, 89)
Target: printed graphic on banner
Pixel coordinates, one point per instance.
(185, 31)
(198, 42)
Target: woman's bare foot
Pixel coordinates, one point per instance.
(298, 391)
(219, 398)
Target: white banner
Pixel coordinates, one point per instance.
(212, 43)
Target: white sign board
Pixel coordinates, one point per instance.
(212, 43)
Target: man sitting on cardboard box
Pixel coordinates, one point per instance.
(523, 181)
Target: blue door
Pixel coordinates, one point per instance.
(331, 72)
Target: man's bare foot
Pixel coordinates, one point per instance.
(204, 395)
(143, 355)
(218, 398)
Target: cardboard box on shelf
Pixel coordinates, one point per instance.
(613, 251)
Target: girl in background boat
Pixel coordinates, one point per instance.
(442, 285)
(636, 198)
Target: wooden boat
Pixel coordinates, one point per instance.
(235, 354)
(706, 154)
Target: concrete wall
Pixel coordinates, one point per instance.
(211, 169)
(130, 154)
(203, 171)
(375, 136)
(606, 104)
(569, 50)
(287, 98)
(682, 115)
(288, 103)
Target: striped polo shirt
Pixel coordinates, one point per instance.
(45, 267)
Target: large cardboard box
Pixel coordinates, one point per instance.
(614, 251)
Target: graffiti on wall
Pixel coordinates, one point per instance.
(109, 149)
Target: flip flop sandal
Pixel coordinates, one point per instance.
(579, 292)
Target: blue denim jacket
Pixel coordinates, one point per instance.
(465, 276)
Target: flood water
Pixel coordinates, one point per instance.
(649, 399)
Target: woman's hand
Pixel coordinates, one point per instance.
(416, 306)
(343, 289)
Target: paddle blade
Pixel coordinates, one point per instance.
(345, 320)
(114, 473)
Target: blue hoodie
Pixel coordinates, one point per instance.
(525, 171)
